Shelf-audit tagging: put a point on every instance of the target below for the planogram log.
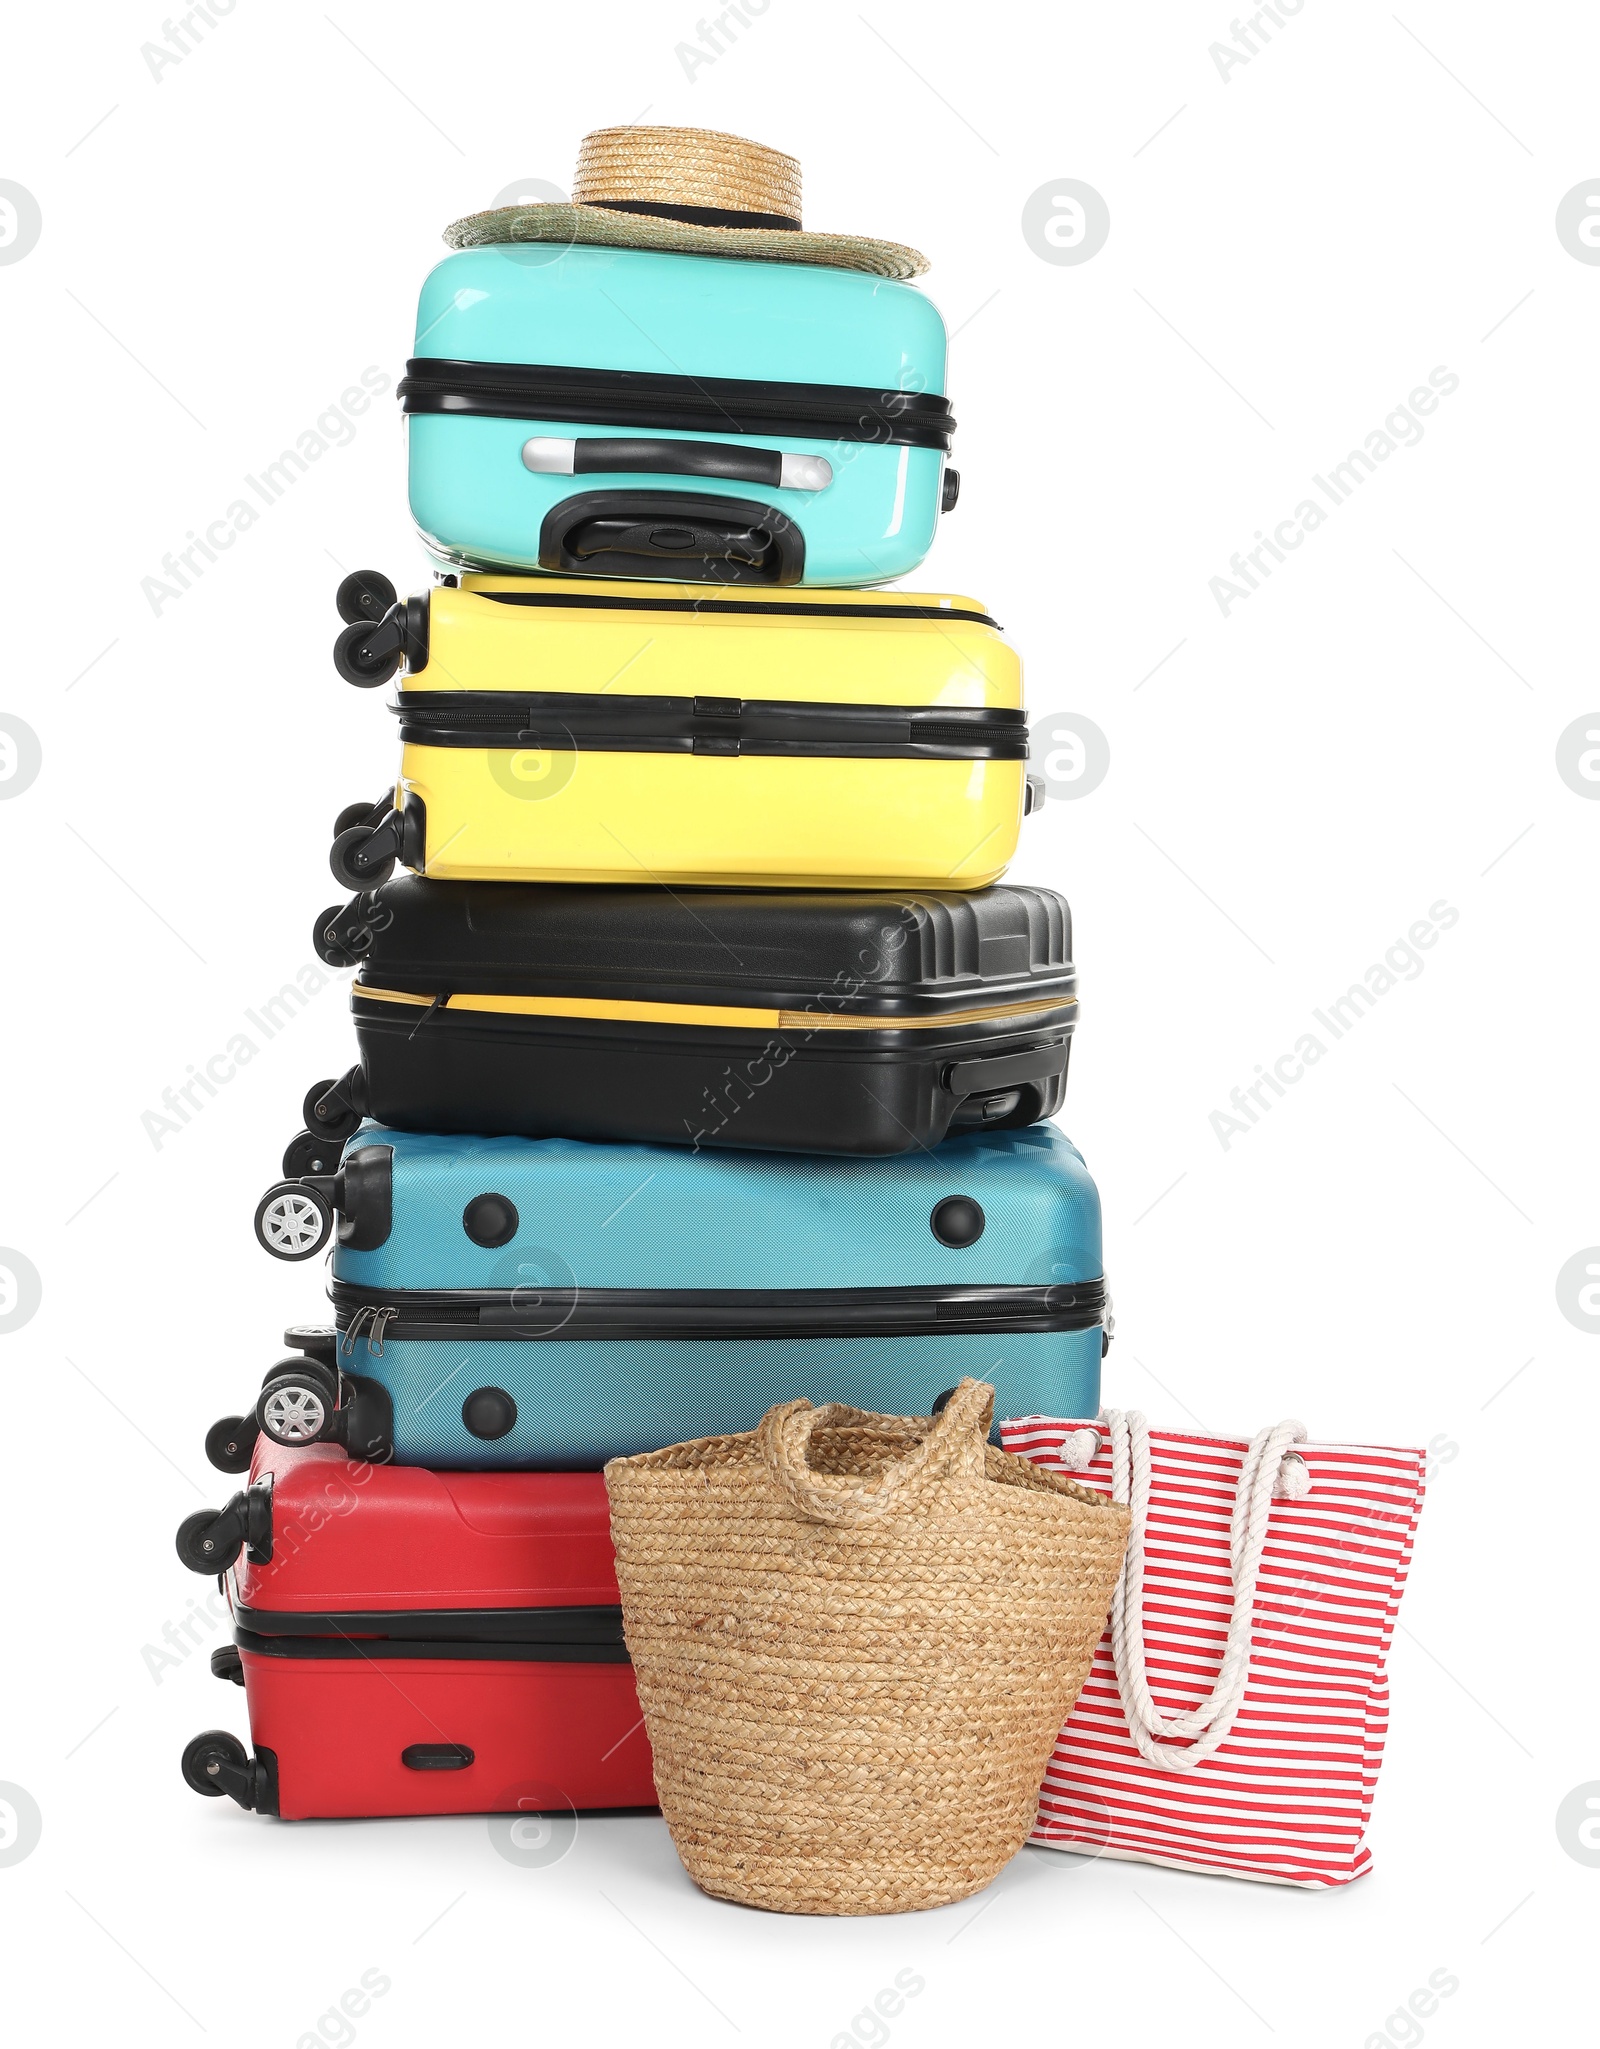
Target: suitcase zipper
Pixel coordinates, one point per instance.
(580, 721)
(642, 398)
(480, 1649)
(590, 1625)
(731, 608)
(568, 1314)
(731, 1017)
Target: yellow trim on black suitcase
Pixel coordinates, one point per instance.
(721, 1015)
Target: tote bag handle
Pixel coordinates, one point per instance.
(953, 1441)
(1198, 1730)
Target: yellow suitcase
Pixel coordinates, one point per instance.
(575, 730)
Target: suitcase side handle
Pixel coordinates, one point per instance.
(1005, 1070)
(1007, 1090)
(437, 1757)
(596, 455)
(704, 539)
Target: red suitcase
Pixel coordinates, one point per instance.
(413, 1642)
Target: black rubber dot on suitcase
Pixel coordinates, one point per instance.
(489, 1412)
(957, 1221)
(490, 1220)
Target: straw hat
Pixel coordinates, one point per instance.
(693, 190)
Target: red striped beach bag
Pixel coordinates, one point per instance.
(1235, 1715)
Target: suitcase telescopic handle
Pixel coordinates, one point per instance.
(602, 454)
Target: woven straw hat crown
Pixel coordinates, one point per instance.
(686, 167)
(689, 191)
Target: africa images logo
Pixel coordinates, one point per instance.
(1402, 962)
(1402, 428)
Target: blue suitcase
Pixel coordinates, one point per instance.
(636, 413)
(546, 1303)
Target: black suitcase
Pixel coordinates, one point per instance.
(829, 1021)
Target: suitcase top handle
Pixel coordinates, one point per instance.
(648, 398)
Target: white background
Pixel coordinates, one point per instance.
(1291, 787)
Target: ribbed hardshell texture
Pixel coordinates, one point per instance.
(826, 950)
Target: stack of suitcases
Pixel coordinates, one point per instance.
(705, 1060)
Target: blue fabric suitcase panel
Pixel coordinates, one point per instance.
(633, 1295)
(686, 330)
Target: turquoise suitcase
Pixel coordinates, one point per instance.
(545, 1303)
(627, 413)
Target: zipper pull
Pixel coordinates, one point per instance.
(347, 1343)
(722, 716)
(438, 1003)
(535, 738)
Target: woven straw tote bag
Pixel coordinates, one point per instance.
(855, 1638)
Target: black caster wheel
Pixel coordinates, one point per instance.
(329, 1112)
(230, 1441)
(355, 866)
(201, 1548)
(293, 1221)
(205, 1756)
(226, 1663)
(211, 1539)
(297, 1404)
(365, 595)
(343, 935)
(310, 1369)
(327, 934)
(357, 664)
(307, 1154)
(316, 1341)
(218, 1763)
(353, 814)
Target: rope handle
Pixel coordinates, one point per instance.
(1269, 1466)
(953, 1441)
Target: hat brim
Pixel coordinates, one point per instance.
(601, 226)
